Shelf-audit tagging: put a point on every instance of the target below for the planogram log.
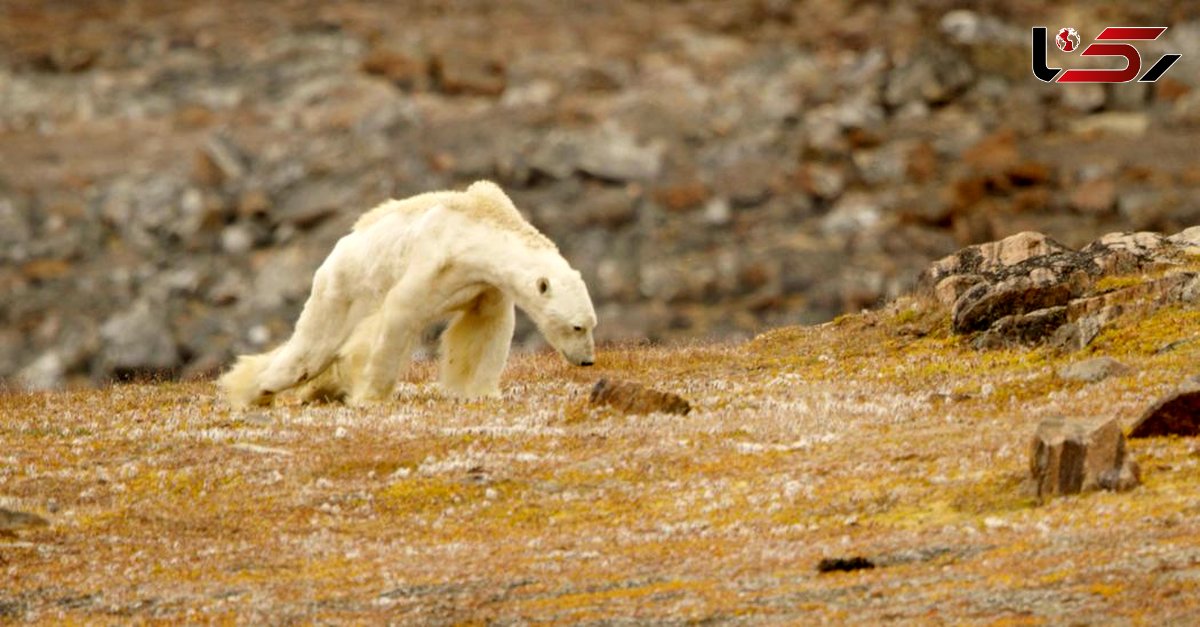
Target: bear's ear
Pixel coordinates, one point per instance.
(543, 285)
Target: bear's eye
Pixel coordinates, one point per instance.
(543, 285)
(578, 329)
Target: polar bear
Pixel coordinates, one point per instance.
(469, 256)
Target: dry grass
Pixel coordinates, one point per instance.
(851, 438)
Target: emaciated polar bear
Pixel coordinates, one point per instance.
(407, 263)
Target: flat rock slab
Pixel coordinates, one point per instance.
(1177, 414)
(1093, 370)
(634, 398)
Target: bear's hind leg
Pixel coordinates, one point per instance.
(475, 347)
(337, 381)
(324, 324)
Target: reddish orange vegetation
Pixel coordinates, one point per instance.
(851, 438)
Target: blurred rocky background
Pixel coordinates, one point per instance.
(171, 172)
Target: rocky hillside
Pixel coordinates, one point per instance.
(172, 172)
(871, 469)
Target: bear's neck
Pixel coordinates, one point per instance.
(511, 265)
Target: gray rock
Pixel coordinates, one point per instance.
(226, 159)
(616, 156)
(717, 211)
(1070, 456)
(934, 75)
(1093, 370)
(970, 27)
(47, 372)
(1023, 329)
(1084, 97)
(138, 340)
(993, 259)
(310, 203)
(237, 239)
(981, 306)
(854, 213)
(1076, 335)
(883, 166)
(555, 156)
(1188, 239)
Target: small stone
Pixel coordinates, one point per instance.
(618, 157)
(219, 160)
(1083, 97)
(717, 212)
(934, 75)
(683, 196)
(1123, 479)
(1093, 370)
(844, 564)
(1175, 414)
(12, 521)
(1070, 456)
(746, 182)
(608, 207)
(823, 180)
(852, 214)
(633, 398)
(401, 69)
(237, 239)
(468, 72)
(1128, 124)
(1076, 335)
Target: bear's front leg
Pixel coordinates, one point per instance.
(475, 347)
(401, 320)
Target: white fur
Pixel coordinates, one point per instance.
(468, 255)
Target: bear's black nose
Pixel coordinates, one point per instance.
(586, 363)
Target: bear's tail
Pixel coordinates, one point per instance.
(240, 384)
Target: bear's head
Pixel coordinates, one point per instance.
(559, 304)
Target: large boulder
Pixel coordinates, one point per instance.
(1027, 288)
(1176, 414)
(1071, 456)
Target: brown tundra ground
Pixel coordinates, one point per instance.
(878, 435)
